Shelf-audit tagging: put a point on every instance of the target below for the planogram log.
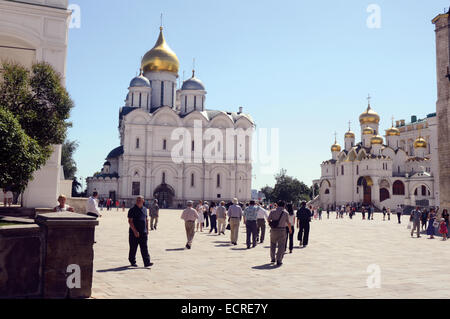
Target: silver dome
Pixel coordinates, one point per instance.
(140, 81)
(193, 84)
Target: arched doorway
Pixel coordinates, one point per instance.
(384, 194)
(366, 183)
(164, 194)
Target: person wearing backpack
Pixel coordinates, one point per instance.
(278, 221)
(303, 224)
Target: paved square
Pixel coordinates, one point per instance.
(333, 266)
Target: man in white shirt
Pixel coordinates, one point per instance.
(92, 206)
(262, 216)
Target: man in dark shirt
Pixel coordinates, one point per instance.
(138, 220)
(303, 220)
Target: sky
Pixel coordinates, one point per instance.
(302, 67)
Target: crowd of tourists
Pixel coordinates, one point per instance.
(280, 217)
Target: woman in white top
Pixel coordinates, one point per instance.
(201, 218)
(290, 236)
(62, 207)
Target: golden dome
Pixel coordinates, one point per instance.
(161, 57)
(368, 131)
(369, 116)
(393, 131)
(349, 134)
(420, 143)
(377, 140)
(336, 147)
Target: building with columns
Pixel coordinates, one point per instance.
(215, 161)
(398, 168)
(34, 31)
(442, 23)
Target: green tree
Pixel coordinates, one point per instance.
(289, 189)
(76, 186)
(67, 161)
(38, 100)
(35, 108)
(20, 155)
(268, 192)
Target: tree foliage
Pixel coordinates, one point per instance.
(34, 108)
(38, 100)
(287, 188)
(67, 161)
(20, 155)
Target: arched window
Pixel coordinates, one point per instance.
(162, 93)
(192, 180)
(164, 145)
(163, 177)
(140, 99)
(327, 191)
(193, 146)
(137, 143)
(173, 90)
(398, 188)
(185, 102)
(195, 102)
(218, 180)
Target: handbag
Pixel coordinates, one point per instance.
(436, 224)
(228, 227)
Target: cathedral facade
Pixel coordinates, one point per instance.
(400, 168)
(171, 147)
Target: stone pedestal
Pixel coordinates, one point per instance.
(69, 239)
(20, 261)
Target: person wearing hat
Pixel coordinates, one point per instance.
(235, 215)
(303, 223)
(189, 216)
(154, 214)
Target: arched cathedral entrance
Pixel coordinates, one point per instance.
(366, 183)
(164, 194)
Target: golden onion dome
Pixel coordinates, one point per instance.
(393, 131)
(420, 143)
(336, 147)
(349, 134)
(161, 57)
(376, 140)
(369, 116)
(368, 131)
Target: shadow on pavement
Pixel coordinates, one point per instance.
(176, 249)
(120, 269)
(239, 249)
(266, 267)
(224, 245)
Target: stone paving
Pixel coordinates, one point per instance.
(333, 266)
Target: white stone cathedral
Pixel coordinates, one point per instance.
(154, 109)
(401, 169)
